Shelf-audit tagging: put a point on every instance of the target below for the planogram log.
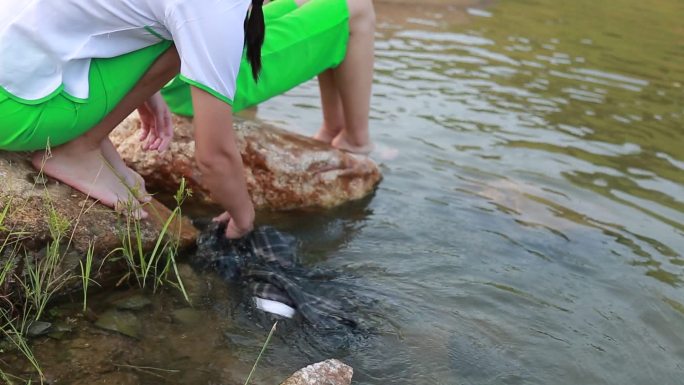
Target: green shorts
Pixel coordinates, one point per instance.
(27, 126)
(301, 42)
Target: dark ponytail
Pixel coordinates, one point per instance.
(255, 31)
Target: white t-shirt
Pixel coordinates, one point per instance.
(46, 45)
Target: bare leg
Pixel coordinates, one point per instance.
(346, 90)
(333, 112)
(354, 77)
(81, 162)
(133, 180)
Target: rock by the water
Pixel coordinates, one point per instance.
(284, 170)
(328, 372)
(29, 200)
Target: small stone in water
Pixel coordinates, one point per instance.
(122, 322)
(38, 328)
(59, 329)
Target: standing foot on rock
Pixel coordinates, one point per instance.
(379, 152)
(90, 173)
(342, 142)
(326, 134)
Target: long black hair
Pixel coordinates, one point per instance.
(255, 30)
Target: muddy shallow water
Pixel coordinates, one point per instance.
(530, 231)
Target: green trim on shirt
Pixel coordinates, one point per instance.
(155, 33)
(207, 89)
(32, 102)
(74, 98)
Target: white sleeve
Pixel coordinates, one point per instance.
(209, 37)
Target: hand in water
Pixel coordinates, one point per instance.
(233, 231)
(157, 128)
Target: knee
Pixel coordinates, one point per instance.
(361, 15)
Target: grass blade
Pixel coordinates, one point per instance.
(263, 348)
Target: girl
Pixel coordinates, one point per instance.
(72, 70)
(290, 50)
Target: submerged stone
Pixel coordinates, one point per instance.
(284, 170)
(59, 330)
(187, 316)
(38, 328)
(133, 302)
(123, 322)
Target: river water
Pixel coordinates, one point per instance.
(530, 229)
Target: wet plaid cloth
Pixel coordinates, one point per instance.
(265, 262)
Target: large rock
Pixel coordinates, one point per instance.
(284, 170)
(30, 198)
(328, 372)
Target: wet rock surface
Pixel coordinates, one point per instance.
(328, 372)
(33, 202)
(284, 170)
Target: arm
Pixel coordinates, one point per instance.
(219, 160)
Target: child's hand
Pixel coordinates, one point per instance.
(233, 231)
(157, 127)
(225, 217)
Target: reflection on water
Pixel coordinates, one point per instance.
(531, 230)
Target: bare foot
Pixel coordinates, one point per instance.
(88, 172)
(341, 142)
(133, 180)
(326, 135)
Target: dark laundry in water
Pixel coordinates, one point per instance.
(265, 265)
